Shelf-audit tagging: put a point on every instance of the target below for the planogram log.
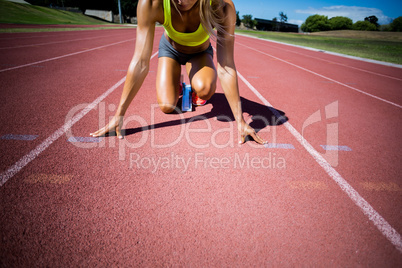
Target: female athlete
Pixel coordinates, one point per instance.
(188, 27)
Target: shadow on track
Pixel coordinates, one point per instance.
(261, 115)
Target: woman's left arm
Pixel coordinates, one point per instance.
(227, 72)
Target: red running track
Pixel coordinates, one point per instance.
(179, 190)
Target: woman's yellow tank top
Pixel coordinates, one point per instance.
(186, 39)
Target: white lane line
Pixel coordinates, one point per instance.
(84, 139)
(19, 137)
(279, 146)
(25, 160)
(17, 35)
(382, 225)
(14, 37)
(336, 148)
(327, 78)
(58, 42)
(64, 56)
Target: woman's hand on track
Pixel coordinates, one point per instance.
(245, 130)
(113, 126)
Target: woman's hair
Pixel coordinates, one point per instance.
(211, 16)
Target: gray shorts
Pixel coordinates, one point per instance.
(167, 50)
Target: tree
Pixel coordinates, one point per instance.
(372, 19)
(396, 25)
(248, 21)
(238, 20)
(340, 23)
(128, 7)
(364, 26)
(316, 23)
(283, 17)
(97, 4)
(275, 24)
(47, 3)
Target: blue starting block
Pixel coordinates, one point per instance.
(186, 102)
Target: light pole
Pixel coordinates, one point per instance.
(121, 18)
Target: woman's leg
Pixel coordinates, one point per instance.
(202, 73)
(168, 84)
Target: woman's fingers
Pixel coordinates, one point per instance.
(102, 131)
(114, 125)
(258, 139)
(249, 131)
(118, 132)
(118, 124)
(97, 133)
(242, 139)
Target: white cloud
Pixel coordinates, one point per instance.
(352, 12)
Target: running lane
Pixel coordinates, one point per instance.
(42, 94)
(178, 190)
(316, 97)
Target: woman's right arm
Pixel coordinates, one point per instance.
(139, 66)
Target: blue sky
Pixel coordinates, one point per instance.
(298, 11)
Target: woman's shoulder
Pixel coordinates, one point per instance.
(224, 8)
(153, 8)
(154, 4)
(228, 4)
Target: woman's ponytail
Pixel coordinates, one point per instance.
(211, 14)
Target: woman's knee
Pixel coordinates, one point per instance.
(204, 89)
(167, 100)
(167, 108)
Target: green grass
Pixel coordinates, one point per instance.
(11, 12)
(375, 45)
